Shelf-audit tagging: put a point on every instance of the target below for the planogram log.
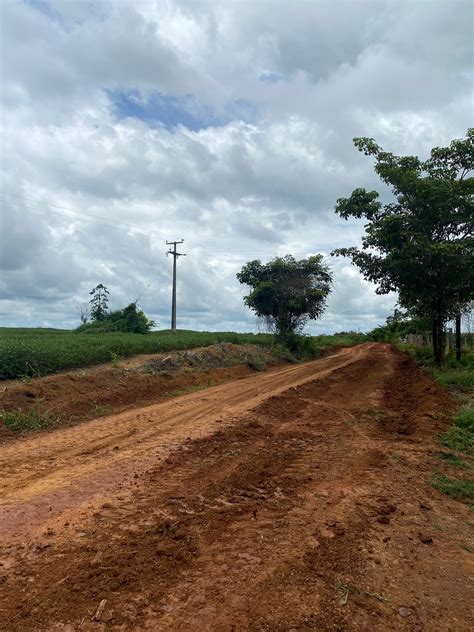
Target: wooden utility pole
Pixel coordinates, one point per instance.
(173, 300)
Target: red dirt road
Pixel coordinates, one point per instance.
(296, 499)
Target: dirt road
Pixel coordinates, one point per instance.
(296, 499)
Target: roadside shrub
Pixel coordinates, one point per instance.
(256, 362)
(128, 320)
(283, 353)
(301, 346)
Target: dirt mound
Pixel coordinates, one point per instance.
(224, 354)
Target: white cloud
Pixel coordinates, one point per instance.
(399, 72)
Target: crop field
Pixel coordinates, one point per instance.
(35, 352)
(28, 352)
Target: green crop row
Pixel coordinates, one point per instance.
(35, 352)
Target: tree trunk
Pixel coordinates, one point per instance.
(434, 337)
(458, 337)
(438, 338)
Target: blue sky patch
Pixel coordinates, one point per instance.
(43, 6)
(270, 77)
(170, 111)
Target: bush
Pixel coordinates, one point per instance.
(256, 362)
(128, 320)
(301, 346)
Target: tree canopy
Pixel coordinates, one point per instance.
(420, 244)
(287, 293)
(99, 302)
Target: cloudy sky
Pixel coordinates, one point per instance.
(227, 124)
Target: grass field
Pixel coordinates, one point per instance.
(34, 352)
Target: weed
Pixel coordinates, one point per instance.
(453, 460)
(32, 419)
(191, 389)
(438, 526)
(466, 547)
(257, 363)
(460, 436)
(461, 379)
(99, 410)
(460, 489)
(345, 589)
(115, 358)
(465, 419)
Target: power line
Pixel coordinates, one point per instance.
(91, 218)
(115, 224)
(124, 227)
(80, 219)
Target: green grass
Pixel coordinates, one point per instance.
(453, 460)
(460, 436)
(32, 419)
(460, 489)
(457, 377)
(34, 352)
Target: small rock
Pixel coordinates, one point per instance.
(404, 612)
(426, 538)
(425, 507)
(383, 519)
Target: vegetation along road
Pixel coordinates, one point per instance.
(293, 499)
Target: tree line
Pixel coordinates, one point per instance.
(419, 244)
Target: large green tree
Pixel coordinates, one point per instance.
(287, 293)
(420, 243)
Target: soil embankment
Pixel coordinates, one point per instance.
(83, 394)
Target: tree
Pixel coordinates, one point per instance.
(420, 244)
(99, 302)
(399, 325)
(84, 311)
(287, 293)
(127, 320)
(130, 319)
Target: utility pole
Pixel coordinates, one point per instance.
(173, 301)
